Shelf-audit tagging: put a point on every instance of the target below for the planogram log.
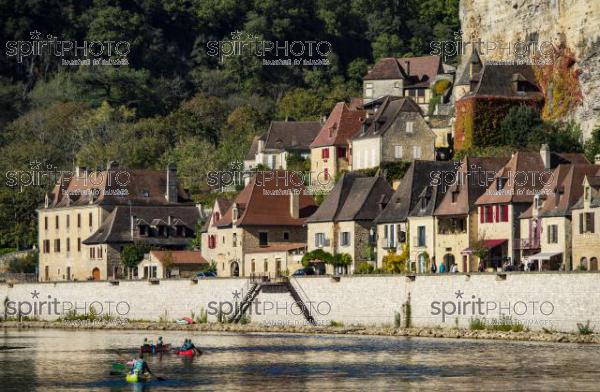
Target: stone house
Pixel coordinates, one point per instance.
(330, 151)
(90, 216)
(344, 221)
(456, 216)
(268, 215)
(403, 77)
(546, 226)
(509, 195)
(171, 264)
(282, 139)
(585, 220)
(394, 131)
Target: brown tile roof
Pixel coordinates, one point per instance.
(419, 176)
(353, 198)
(519, 187)
(179, 256)
(116, 228)
(473, 177)
(265, 201)
(497, 80)
(564, 191)
(416, 71)
(278, 247)
(340, 127)
(291, 135)
(391, 107)
(116, 186)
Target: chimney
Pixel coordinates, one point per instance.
(295, 203)
(407, 66)
(597, 159)
(132, 225)
(171, 191)
(46, 200)
(261, 146)
(545, 153)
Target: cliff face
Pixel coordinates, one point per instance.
(570, 29)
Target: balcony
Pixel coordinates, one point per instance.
(528, 243)
(389, 244)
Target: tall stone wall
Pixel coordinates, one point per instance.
(556, 301)
(571, 24)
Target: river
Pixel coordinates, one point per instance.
(63, 360)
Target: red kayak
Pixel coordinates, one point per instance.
(188, 353)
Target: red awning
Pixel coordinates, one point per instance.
(490, 244)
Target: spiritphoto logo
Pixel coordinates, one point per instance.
(70, 51)
(271, 52)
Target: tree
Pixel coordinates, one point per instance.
(132, 254)
(394, 263)
(592, 146)
(317, 255)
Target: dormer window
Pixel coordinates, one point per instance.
(145, 193)
(500, 183)
(423, 203)
(587, 193)
(454, 196)
(538, 201)
(143, 229)
(410, 127)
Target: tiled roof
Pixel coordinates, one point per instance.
(415, 71)
(265, 201)
(472, 179)
(353, 198)
(291, 135)
(391, 107)
(278, 247)
(565, 191)
(524, 174)
(116, 228)
(341, 125)
(419, 176)
(179, 257)
(117, 186)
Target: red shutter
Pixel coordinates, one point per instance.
(480, 214)
(505, 210)
(497, 213)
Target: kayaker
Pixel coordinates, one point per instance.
(193, 347)
(159, 342)
(140, 366)
(146, 343)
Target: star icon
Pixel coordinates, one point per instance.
(35, 35)
(35, 294)
(459, 294)
(236, 294)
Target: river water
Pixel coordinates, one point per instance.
(61, 360)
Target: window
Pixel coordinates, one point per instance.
(341, 152)
(99, 252)
(587, 222)
(78, 244)
(143, 230)
(90, 219)
(263, 238)
(389, 233)
(68, 244)
(212, 242)
(56, 245)
(454, 196)
(325, 153)
(253, 266)
(587, 193)
(68, 221)
(319, 240)
(45, 223)
(416, 152)
(56, 222)
(398, 152)
(421, 236)
(286, 235)
(78, 220)
(503, 212)
(345, 238)
(552, 234)
(216, 217)
(266, 266)
(46, 246)
(486, 214)
(369, 90)
(500, 183)
(234, 240)
(410, 127)
(68, 273)
(326, 174)
(92, 253)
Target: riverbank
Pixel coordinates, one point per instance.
(531, 336)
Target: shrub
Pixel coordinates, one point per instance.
(505, 324)
(585, 329)
(477, 324)
(364, 268)
(333, 323)
(397, 319)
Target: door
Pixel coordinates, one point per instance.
(96, 274)
(235, 269)
(464, 264)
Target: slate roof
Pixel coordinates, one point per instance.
(353, 198)
(291, 135)
(116, 228)
(265, 201)
(180, 257)
(117, 186)
(420, 73)
(419, 176)
(521, 188)
(473, 177)
(496, 80)
(391, 107)
(340, 127)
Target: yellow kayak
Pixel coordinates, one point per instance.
(135, 377)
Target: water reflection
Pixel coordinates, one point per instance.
(56, 360)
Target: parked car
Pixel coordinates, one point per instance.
(304, 271)
(204, 275)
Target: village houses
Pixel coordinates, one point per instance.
(585, 219)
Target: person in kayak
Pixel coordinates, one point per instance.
(159, 342)
(140, 366)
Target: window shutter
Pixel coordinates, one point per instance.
(581, 223)
(497, 213)
(592, 223)
(480, 214)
